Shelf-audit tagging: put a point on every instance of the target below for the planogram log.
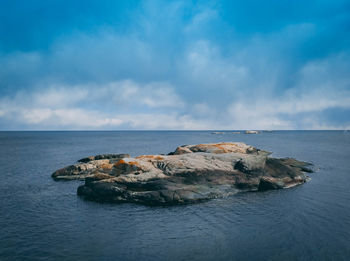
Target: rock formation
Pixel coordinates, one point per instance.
(251, 132)
(191, 173)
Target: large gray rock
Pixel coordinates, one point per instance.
(191, 173)
(86, 167)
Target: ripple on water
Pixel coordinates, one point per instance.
(43, 219)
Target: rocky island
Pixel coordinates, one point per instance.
(192, 173)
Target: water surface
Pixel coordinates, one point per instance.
(41, 219)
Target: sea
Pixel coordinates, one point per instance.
(43, 219)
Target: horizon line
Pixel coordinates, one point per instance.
(213, 130)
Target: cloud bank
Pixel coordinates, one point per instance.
(208, 67)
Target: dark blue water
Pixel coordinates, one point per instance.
(41, 219)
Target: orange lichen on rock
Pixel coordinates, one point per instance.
(150, 157)
(122, 162)
(125, 166)
(119, 162)
(224, 147)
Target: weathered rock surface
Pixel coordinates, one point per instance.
(251, 132)
(87, 166)
(191, 173)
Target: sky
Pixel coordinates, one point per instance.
(179, 65)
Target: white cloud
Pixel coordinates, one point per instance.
(62, 106)
(271, 113)
(73, 119)
(107, 80)
(204, 66)
(159, 107)
(154, 94)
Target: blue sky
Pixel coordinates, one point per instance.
(110, 65)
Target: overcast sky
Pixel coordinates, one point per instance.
(91, 65)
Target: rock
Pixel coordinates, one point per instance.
(251, 132)
(217, 148)
(104, 156)
(192, 173)
(87, 166)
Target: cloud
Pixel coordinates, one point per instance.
(201, 20)
(64, 107)
(153, 95)
(209, 69)
(278, 113)
(78, 119)
(202, 69)
(223, 99)
(319, 86)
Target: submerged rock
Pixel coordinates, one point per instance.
(190, 174)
